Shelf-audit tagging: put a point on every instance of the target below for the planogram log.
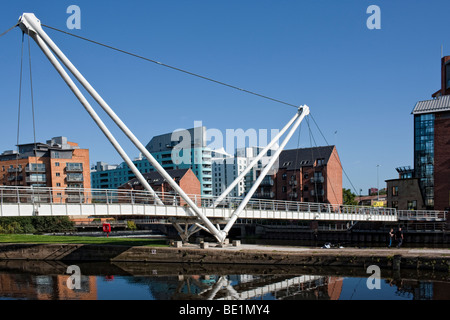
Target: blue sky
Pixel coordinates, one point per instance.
(360, 83)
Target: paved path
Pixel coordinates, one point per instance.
(422, 252)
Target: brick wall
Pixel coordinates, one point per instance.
(333, 178)
(442, 161)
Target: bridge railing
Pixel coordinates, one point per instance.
(59, 195)
(422, 215)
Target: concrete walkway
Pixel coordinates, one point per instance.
(418, 252)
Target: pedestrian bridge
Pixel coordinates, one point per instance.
(29, 201)
(76, 202)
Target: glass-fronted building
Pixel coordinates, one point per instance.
(424, 155)
(184, 149)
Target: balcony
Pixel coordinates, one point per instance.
(14, 170)
(75, 199)
(74, 167)
(266, 195)
(15, 178)
(36, 178)
(317, 179)
(318, 193)
(35, 167)
(74, 177)
(267, 181)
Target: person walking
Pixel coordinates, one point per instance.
(391, 237)
(399, 237)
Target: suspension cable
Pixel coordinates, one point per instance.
(1, 35)
(312, 159)
(172, 67)
(32, 97)
(339, 161)
(320, 157)
(18, 113)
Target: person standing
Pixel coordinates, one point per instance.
(391, 237)
(399, 237)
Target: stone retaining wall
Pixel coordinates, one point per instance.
(312, 257)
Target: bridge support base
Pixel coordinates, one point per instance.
(187, 227)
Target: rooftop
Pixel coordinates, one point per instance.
(440, 104)
(294, 159)
(155, 178)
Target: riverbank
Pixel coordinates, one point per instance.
(394, 259)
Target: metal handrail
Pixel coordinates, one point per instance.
(19, 194)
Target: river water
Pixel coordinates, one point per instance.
(37, 280)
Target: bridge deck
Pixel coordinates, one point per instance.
(26, 201)
(29, 201)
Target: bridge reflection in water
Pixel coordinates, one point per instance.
(34, 280)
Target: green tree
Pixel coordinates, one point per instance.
(348, 197)
(131, 225)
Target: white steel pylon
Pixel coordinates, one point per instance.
(31, 26)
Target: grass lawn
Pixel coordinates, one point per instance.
(27, 238)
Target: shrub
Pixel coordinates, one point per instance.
(35, 224)
(131, 225)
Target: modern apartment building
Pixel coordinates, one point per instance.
(307, 175)
(58, 163)
(227, 167)
(184, 149)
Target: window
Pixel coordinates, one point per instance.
(58, 174)
(283, 189)
(424, 153)
(58, 184)
(395, 191)
(56, 164)
(412, 205)
(395, 204)
(320, 162)
(284, 176)
(447, 75)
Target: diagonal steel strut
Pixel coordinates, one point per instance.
(303, 111)
(31, 31)
(31, 25)
(254, 161)
(29, 22)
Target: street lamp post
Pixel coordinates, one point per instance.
(378, 187)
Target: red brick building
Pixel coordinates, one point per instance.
(185, 178)
(306, 175)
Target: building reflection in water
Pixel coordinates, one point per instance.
(205, 287)
(46, 287)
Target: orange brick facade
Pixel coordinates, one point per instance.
(59, 173)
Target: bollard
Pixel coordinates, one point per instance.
(178, 244)
(204, 245)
